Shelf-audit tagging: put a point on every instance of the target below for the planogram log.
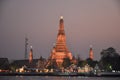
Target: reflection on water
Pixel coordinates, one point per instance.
(55, 78)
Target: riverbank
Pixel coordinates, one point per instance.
(102, 74)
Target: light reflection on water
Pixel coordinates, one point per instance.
(55, 78)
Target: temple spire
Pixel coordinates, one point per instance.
(31, 55)
(61, 24)
(91, 52)
(60, 50)
(26, 45)
(61, 17)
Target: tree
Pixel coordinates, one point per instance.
(82, 63)
(52, 64)
(91, 62)
(110, 59)
(66, 62)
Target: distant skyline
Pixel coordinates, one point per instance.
(87, 22)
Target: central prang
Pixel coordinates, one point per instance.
(60, 50)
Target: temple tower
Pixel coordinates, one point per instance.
(31, 55)
(91, 53)
(26, 45)
(60, 50)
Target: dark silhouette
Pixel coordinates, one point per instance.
(91, 62)
(4, 63)
(66, 62)
(110, 59)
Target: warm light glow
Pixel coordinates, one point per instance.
(60, 52)
(31, 47)
(61, 17)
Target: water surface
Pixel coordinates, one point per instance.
(55, 78)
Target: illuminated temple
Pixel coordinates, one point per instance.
(60, 50)
(91, 53)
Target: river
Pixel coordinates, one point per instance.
(55, 78)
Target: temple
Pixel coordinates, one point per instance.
(31, 55)
(60, 50)
(91, 53)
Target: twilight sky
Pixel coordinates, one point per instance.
(87, 22)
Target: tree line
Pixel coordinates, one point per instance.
(110, 60)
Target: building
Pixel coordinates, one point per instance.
(91, 53)
(20, 63)
(41, 63)
(60, 50)
(4, 64)
(31, 55)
